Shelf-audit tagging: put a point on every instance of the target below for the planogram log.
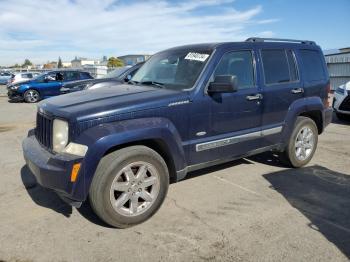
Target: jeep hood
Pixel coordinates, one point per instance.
(106, 101)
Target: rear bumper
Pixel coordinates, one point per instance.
(51, 170)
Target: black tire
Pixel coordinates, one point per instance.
(341, 116)
(109, 168)
(289, 156)
(31, 96)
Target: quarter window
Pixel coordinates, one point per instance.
(239, 64)
(313, 65)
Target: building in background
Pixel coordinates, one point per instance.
(338, 64)
(67, 64)
(79, 62)
(96, 71)
(133, 59)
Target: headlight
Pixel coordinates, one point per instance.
(14, 87)
(60, 135)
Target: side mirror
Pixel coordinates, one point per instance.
(127, 78)
(223, 84)
(46, 79)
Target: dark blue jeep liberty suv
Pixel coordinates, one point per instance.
(186, 108)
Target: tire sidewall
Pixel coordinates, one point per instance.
(123, 158)
(301, 123)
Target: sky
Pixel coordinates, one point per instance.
(43, 30)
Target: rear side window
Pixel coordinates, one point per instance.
(313, 65)
(27, 76)
(70, 76)
(84, 75)
(279, 66)
(293, 71)
(239, 64)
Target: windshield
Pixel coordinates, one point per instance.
(173, 69)
(116, 72)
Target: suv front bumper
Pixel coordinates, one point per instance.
(52, 171)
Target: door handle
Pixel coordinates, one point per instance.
(254, 97)
(297, 90)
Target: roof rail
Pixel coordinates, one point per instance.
(259, 39)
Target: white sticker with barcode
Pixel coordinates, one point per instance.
(196, 56)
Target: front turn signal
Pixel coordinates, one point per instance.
(75, 171)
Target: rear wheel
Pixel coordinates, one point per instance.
(31, 96)
(129, 186)
(302, 143)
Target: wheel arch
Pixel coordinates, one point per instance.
(155, 133)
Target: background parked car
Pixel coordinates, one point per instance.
(21, 77)
(4, 77)
(115, 77)
(44, 85)
(341, 101)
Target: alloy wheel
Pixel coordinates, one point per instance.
(135, 188)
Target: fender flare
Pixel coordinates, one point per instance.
(100, 139)
(297, 108)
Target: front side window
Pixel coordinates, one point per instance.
(173, 69)
(239, 64)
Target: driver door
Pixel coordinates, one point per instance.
(235, 118)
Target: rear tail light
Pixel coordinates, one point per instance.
(327, 102)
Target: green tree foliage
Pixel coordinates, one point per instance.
(27, 63)
(115, 62)
(59, 64)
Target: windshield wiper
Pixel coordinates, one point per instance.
(153, 83)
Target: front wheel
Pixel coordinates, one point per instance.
(129, 186)
(302, 143)
(31, 96)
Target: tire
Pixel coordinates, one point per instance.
(31, 96)
(146, 166)
(341, 116)
(298, 156)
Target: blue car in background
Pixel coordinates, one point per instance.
(44, 85)
(4, 77)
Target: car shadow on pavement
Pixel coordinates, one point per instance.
(42, 196)
(321, 195)
(49, 199)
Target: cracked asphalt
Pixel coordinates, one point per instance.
(252, 209)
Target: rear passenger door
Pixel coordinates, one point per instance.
(281, 87)
(71, 76)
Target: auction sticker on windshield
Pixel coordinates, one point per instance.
(196, 56)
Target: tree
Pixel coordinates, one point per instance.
(115, 62)
(59, 65)
(27, 63)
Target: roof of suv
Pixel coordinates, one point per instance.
(250, 41)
